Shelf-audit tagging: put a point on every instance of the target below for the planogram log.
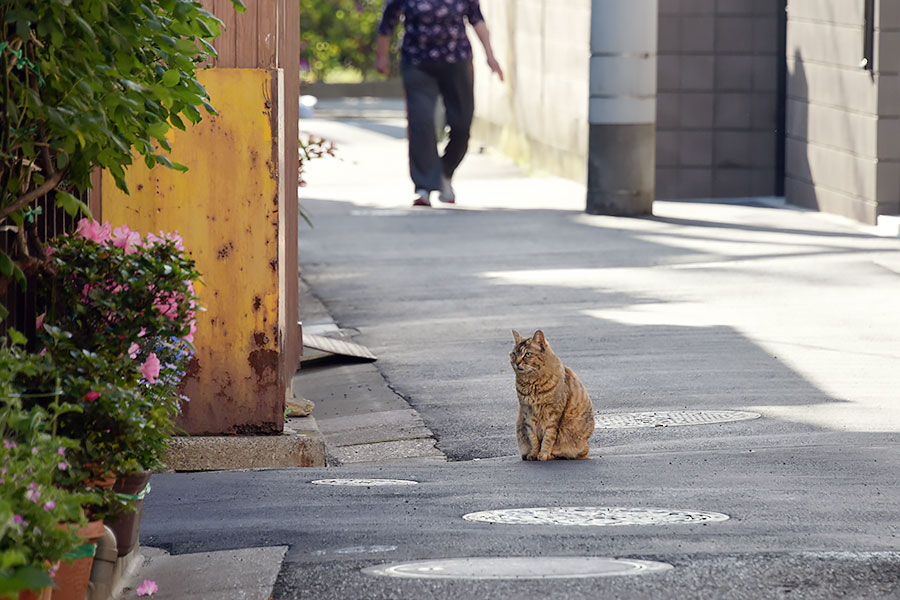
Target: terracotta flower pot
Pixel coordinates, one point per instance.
(74, 573)
(44, 594)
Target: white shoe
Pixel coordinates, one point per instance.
(446, 194)
(421, 198)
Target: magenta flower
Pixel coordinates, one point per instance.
(150, 368)
(18, 519)
(49, 505)
(91, 396)
(61, 451)
(63, 466)
(148, 588)
(9, 445)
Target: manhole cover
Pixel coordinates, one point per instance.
(365, 482)
(593, 516)
(671, 418)
(544, 567)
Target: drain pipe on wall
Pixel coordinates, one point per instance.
(622, 109)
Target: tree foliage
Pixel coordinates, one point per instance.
(91, 83)
(339, 34)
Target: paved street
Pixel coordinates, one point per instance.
(778, 325)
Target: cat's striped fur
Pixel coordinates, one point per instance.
(556, 417)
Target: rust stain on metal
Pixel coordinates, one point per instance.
(257, 302)
(264, 364)
(225, 251)
(260, 338)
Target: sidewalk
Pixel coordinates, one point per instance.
(746, 304)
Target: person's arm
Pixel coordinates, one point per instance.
(382, 63)
(389, 19)
(484, 36)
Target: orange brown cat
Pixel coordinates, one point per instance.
(556, 417)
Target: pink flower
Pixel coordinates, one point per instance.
(32, 494)
(91, 396)
(9, 445)
(92, 230)
(152, 240)
(123, 237)
(133, 350)
(18, 519)
(190, 336)
(39, 321)
(61, 451)
(174, 237)
(63, 466)
(150, 368)
(148, 588)
(49, 505)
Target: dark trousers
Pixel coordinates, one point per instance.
(423, 83)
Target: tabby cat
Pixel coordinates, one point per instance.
(556, 417)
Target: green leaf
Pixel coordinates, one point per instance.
(71, 204)
(9, 268)
(17, 337)
(158, 129)
(6, 264)
(171, 78)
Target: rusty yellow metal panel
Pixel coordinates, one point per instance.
(226, 207)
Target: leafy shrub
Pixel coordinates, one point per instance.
(91, 83)
(339, 34)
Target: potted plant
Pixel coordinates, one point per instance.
(41, 512)
(123, 311)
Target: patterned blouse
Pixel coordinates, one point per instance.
(434, 30)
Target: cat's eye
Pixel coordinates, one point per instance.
(527, 354)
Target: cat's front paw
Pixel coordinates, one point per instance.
(544, 456)
(530, 456)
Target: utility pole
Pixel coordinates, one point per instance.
(622, 109)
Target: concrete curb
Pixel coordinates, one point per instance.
(301, 445)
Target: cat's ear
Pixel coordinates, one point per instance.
(538, 338)
(516, 336)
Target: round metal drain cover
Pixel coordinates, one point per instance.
(670, 418)
(365, 482)
(543, 567)
(594, 516)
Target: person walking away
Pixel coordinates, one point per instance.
(436, 59)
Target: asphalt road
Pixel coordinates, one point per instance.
(747, 306)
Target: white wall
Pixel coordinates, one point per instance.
(540, 114)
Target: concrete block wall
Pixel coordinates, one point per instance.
(717, 98)
(540, 114)
(843, 122)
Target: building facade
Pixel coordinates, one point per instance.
(799, 98)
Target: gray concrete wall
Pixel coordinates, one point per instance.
(540, 114)
(717, 99)
(843, 140)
